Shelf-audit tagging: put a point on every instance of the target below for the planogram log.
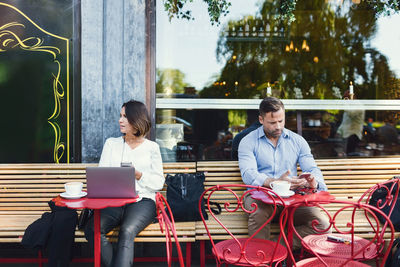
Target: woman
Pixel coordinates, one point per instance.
(131, 149)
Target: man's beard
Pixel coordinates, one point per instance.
(275, 134)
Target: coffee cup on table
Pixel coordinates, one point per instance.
(280, 187)
(73, 188)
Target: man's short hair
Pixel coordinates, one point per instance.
(270, 104)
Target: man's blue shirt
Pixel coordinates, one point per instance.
(259, 159)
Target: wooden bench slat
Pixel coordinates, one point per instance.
(25, 190)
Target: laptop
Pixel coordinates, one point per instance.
(111, 182)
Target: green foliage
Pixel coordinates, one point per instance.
(286, 8)
(170, 81)
(385, 8)
(237, 117)
(332, 50)
(216, 9)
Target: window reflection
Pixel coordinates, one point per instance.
(328, 46)
(333, 48)
(210, 134)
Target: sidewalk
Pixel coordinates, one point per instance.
(81, 250)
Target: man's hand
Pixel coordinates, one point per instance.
(297, 182)
(309, 182)
(294, 182)
(312, 182)
(283, 177)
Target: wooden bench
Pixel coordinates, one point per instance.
(345, 179)
(25, 190)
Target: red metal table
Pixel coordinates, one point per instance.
(291, 201)
(96, 204)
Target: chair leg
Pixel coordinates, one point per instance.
(301, 253)
(40, 258)
(202, 253)
(188, 254)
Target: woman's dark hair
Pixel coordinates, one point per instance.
(270, 104)
(138, 117)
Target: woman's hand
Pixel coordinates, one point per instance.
(138, 175)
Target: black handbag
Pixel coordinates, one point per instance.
(84, 218)
(183, 194)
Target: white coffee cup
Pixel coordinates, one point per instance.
(280, 187)
(73, 188)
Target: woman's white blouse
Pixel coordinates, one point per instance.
(146, 158)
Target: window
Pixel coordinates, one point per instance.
(36, 80)
(210, 76)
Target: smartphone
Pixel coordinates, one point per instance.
(126, 164)
(304, 175)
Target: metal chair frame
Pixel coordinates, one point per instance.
(392, 192)
(167, 225)
(354, 251)
(241, 251)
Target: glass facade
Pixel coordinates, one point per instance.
(36, 80)
(337, 59)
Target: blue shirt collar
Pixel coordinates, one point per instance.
(261, 132)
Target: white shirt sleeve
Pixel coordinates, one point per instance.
(153, 178)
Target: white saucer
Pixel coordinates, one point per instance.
(285, 194)
(65, 195)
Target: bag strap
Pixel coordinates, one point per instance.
(216, 210)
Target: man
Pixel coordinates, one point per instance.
(271, 153)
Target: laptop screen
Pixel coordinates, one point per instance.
(111, 182)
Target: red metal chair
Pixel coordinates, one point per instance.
(389, 190)
(347, 248)
(167, 225)
(248, 251)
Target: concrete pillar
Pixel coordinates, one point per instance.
(113, 41)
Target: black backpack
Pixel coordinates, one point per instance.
(381, 194)
(393, 259)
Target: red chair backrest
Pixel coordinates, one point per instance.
(352, 215)
(167, 225)
(231, 198)
(389, 191)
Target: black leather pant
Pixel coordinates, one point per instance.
(132, 219)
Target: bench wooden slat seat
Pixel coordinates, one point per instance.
(25, 190)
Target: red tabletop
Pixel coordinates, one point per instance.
(296, 198)
(92, 203)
